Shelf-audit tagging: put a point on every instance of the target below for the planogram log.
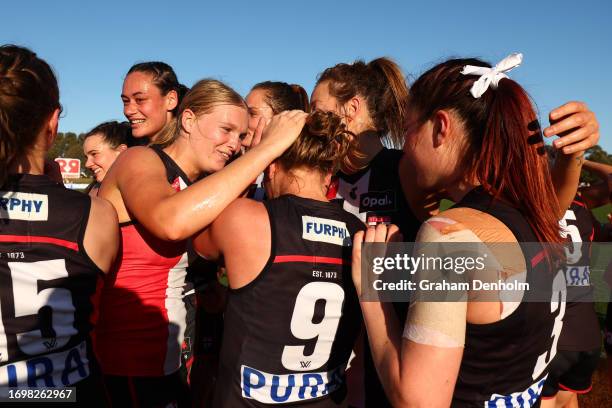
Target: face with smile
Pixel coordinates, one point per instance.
(216, 136)
(144, 106)
(258, 109)
(100, 155)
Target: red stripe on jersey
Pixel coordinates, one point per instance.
(579, 203)
(310, 259)
(563, 387)
(538, 258)
(39, 240)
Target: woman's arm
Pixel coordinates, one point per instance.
(170, 215)
(101, 239)
(241, 237)
(413, 373)
(579, 130)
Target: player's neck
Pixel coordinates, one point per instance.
(368, 146)
(305, 184)
(459, 190)
(32, 163)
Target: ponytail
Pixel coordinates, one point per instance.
(503, 139)
(28, 96)
(383, 86)
(392, 103)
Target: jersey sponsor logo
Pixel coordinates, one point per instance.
(24, 206)
(351, 193)
(524, 399)
(378, 219)
(377, 201)
(578, 276)
(325, 230)
(284, 388)
(52, 370)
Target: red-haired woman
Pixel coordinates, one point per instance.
(373, 100)
(473, 132)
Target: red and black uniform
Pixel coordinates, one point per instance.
(505, 363)
(143, 313)
(47, 282)
(580, 341)
(289, 333)
(375, 195)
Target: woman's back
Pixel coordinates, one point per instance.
(290, 331)
(48, 282)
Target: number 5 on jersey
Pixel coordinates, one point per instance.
(43, 314)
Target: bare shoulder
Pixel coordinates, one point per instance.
(101, 239)
(136, 161)
(242, 214)
(461, 221)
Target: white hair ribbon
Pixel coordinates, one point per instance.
(491, 76)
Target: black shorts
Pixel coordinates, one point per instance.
(151, 392)
(571, 371)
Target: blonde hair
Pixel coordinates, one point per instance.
(323, 144)
(201, 99)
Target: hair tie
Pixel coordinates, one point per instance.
(490, 77)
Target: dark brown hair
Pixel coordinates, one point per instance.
(164, 78)
(281, 96)
(322, 145)
(383, 86)
(504, 150)
(114, 133)
(28, 96)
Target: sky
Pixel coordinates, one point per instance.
(567, 45)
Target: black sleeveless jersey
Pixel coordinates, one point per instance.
(505, 363)
(375, 194)
(174, 174)
(289, 333)
(580, 324)
(47, 281)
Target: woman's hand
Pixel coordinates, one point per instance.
(381, 233)
(577, 127)
(281, 132)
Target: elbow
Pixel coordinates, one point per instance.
(170, 229)
(173, 235)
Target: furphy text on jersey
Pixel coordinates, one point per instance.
(24, 206)
(278, 389)
(325, 230)
(52, 370)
